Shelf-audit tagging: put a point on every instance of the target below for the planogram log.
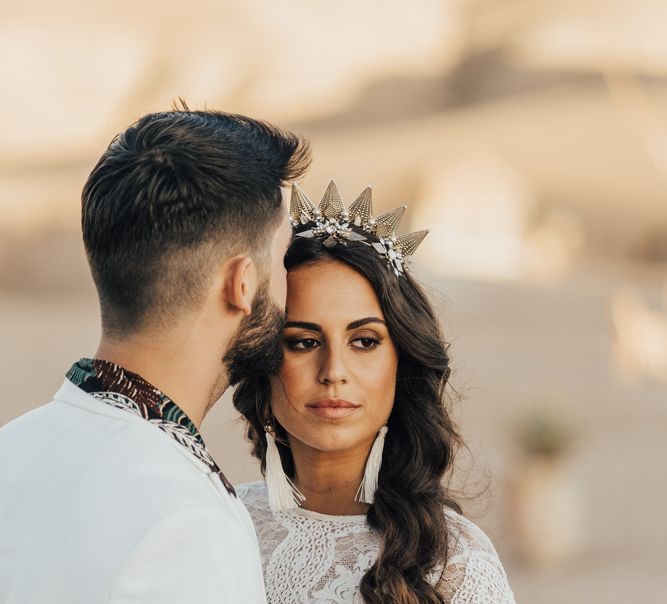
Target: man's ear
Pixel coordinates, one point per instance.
(239, 283)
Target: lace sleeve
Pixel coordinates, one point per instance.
(269, 533)
(474, 573)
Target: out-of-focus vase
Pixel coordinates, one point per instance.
(547, 511)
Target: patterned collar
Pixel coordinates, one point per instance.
(115, 386)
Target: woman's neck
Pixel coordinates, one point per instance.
(330, 479)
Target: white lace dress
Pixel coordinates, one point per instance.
(311, 558)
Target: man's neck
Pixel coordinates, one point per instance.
(175, 367)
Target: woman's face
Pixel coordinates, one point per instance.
(336, 387)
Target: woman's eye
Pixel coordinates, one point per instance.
(304, 344)
(365, 343)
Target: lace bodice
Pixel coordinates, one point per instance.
(311, 558)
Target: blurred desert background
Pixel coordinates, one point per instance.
(530, 136)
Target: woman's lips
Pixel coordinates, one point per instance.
(332, 408)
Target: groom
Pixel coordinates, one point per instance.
(107, 493)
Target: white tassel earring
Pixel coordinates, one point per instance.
(283, 494)
(369, 483)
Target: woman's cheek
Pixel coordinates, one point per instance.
(292, 376)
(381, 384)
(288, 392)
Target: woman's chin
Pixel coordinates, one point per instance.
(335, 438)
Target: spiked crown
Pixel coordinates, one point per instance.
(334, 224)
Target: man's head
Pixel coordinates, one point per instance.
(171, 199)
(183, 206)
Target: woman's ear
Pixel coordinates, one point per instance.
(239, 284)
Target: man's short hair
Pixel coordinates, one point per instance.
(174, 195)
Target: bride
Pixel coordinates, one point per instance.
(353, 435)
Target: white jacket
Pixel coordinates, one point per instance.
(97, 506)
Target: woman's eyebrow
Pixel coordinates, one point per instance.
(303, 325)
(315, 327)
(364, 321)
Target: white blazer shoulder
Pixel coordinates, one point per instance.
(100, 506)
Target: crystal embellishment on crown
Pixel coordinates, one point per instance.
(334, 224)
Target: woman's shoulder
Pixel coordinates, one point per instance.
(253, 494)
(255, 498)
(465, 536)
(473, 565)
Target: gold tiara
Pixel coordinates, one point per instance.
(334, 224)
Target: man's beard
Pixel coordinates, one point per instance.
(257, 347)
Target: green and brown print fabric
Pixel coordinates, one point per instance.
(113, 385)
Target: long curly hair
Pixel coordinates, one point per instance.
(407, 513)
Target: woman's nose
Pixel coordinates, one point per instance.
(333, 370)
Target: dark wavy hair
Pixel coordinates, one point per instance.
(408, 512)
